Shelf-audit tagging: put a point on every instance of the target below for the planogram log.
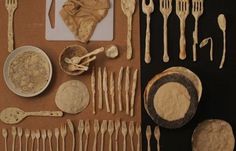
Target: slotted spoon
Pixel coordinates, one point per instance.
(13, 115)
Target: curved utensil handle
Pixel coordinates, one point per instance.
(94, 52)
(46, 113)
(182, 42)
(224, 51)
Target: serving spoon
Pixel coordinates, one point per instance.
(13, 115)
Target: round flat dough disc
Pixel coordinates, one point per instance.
(213, 135)
(72, 97)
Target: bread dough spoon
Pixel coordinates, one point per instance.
(14, 115)
(222, 25)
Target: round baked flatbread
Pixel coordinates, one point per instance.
(72, 97)
(213, 135)
(172, 100)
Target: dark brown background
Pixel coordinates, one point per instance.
(218, 99)
(30, 30)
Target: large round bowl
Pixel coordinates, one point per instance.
(6, 70)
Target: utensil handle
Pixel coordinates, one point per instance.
(224, 51)
(80, 142)
(110, 144)
(195, 40)
(132, 143)
(95, 143)
(165, 54)
(13, 143)
(147, 40)
(86, 144)
(94, 52)
(46, 113)
(107, 102)
(5, 141)
(124, 144)
(116, 142)
(138, 144)
(129, 39)
(149, 147)
(182, 42)
(102, 142)
(10, 31)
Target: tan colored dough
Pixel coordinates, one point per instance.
(172, 101)
(213, 135)
(72, 97)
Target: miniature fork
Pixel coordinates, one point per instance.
(37, 136)
(110, 131)
(148, 136)
(72, 130)
(197, 11)
(147, 9)
(182, 11)
(44, 136)
(33, 136)
(124, 133)
(57, 133)
(81, 131)
(27, 135)
(117, 128)
(63, 135)
(157, 136)
(13, 132)
(138, 132)
(165, 9)
(96, 130)
(19, 134)
(11, 6)
(103, 131)
(131, 134)
(49, 134)
(5, 134)
(87, 131)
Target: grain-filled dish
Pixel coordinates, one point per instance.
(72, 97)
(171, 97)
(82, 16)
(27, 71)
(213, 135)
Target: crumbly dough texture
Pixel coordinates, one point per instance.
(29, 72)
(172, 101)
(82, 16)
(213, 135)
(72, 97)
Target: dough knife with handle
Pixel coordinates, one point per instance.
(13, 115)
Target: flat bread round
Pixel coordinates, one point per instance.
(72, 97)
(213, 135)
(190, 96)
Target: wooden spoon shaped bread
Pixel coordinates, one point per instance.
(171, 98)
(213, 135)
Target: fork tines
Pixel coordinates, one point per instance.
(197, 6)
(165, 4)
(182, 6)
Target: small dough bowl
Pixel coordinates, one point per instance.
(70, 52)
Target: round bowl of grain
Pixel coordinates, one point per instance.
(70, 52)
(27, 71)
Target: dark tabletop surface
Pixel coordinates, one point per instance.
(218, 100)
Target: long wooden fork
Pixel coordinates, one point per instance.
(11, 6)
(182, 11)
(165, 9)
(197, 11)
(147, 9)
